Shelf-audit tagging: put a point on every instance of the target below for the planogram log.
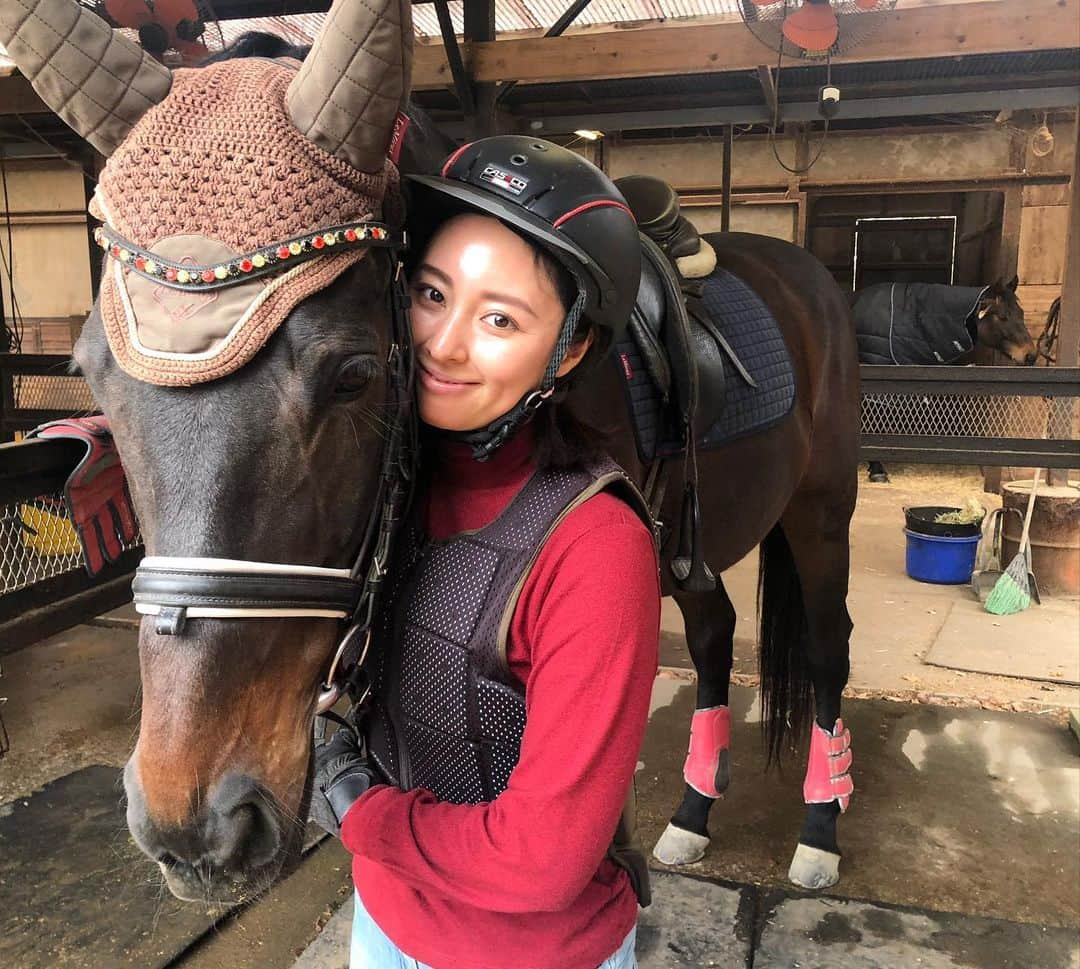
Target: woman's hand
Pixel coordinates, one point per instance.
(342, 774)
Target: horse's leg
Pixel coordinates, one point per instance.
(816, 527)
(710, 633)
(877, 473)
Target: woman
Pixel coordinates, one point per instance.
(519, 645)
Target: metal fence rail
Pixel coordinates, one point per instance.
(1004, 416)
(923, 415)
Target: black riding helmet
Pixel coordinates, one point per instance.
(563, 203)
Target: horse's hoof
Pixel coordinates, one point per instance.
(677, 846)
(879, 478)
(813, 868)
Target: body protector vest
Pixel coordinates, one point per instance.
(447, 714)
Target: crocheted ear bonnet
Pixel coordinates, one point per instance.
(233, 191)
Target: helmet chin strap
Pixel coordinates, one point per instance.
(485, 441)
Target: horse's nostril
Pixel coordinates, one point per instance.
(247, 829)
(168, 859)
(256, 832)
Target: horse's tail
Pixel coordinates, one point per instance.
(786, 687)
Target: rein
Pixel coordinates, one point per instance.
(174, 589)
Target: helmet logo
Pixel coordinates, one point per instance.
(514, 184)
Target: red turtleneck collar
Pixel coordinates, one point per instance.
(466, 494)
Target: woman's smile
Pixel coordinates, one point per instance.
(439, 383)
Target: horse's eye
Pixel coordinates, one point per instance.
(354, 375)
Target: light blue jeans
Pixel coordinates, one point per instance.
(371, 949)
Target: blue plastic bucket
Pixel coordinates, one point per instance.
(938, 559)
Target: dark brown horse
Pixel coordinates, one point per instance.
(790, 489)
(278, 462)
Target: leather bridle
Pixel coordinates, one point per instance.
(174, 589)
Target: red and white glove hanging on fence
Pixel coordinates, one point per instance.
(828, 776)
(96, 492)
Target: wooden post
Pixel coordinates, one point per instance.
(1062, 420)
(1069, 341)
(725, 188)
(480, 26)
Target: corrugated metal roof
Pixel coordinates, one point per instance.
(511, 16)
(539, 15)
(536, 15)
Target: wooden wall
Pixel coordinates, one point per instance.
(50, 252)
(984, 172)
(1044, 217)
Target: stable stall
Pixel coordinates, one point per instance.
(898, 142)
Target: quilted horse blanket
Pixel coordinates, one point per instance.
(914, 323)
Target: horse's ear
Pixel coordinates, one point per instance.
(97, 80)
(356, 79)
(1012, 284)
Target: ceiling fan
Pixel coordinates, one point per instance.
(169, 30)
(812, 28)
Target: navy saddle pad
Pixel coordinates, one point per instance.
(753, 335)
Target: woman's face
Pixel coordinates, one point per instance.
(485, 319)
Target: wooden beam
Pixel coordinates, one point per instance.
(947, 30)
(480, 26)
(768, 88)
(18, 97)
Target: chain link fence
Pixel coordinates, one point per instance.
(1023, 417)
(951, 415)
(38, 542)
(36, 388)
(54, 392)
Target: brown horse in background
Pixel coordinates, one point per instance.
(278, 463)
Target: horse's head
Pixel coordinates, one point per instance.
(239, 348)
(999, 323)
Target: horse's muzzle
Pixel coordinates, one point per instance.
(232, 846)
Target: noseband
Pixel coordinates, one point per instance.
(175, 589)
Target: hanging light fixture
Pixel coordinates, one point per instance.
(1042, 141)
(813, 27)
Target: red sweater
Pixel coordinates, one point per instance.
(523, 880)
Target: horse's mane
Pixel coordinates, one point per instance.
(258, 43)
(425, 146)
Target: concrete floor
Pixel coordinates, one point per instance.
(698, 923)
(955, 810)
(968, 785)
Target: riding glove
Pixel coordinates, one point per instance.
(342, 774)
(96, 492)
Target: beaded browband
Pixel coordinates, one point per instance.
(250, 265)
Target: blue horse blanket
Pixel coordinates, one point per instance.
(914, 323)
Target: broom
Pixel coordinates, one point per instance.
(1012, 592)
